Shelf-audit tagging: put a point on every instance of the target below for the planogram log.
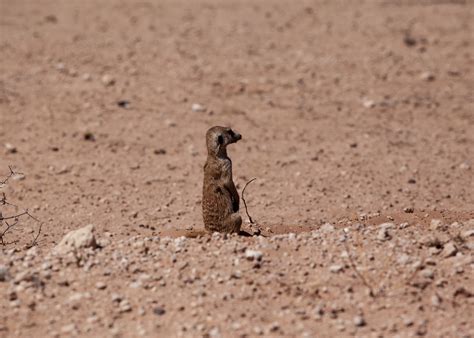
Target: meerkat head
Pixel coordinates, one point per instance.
(218, 138)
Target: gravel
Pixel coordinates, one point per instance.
(359, 321)
(253, 255)
(449, 250)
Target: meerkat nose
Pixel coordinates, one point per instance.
(238, 136)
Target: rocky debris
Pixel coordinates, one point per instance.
(159, 151)
(253, 255)
(409, 40)
(70, 329)
(436, 224)
(10, 148)
(101, 285)
(197, 108)
(404, 259)
(4, 273)
(158, 278)
(359, 321)
(77, 239)
(123, 104)
(107, 80)
(159, 311)
(427, 76)
(368, 103)
(89, 136)
(383, 234)
(61, 67)
(404, 225)
(436, 300)
(124, 306)
(327, 228)
(427, 273)
(449, 250)
(336, 268)
(468, 233)
(170, 123)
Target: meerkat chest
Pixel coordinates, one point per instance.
(226, 165)
(218, 169)
(225, 169)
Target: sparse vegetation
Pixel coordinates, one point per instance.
(9, 222)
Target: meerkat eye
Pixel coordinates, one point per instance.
(231, 132)
(220, 139)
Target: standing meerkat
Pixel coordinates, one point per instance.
(220, 199)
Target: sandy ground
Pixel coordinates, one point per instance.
(356, 114)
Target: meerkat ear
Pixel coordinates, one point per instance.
(220, 139)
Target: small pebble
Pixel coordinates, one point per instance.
(125, 306)
(359, 321)
(327, 227)
(253, 255)
(107, 80)
(197, 108)
(435, 300)
(4, 273)
(383, 235)
(10, 148)
(101, 285)
(160, 151)
(159, 311)
(427, 273)
(88, 136)
(427, 76)
(436, 224)
(367, 103)
(170, 123)
(449, 250)
(123, 104)
(467, 233)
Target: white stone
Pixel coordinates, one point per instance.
(197, 108)
(327, 227)
(367, 103)
(253, 254)
(108, 80)
(336, 268)
(77, 239)
(449, 250)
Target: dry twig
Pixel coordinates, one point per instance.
(34, 242)
(354, 267)
(10, 175)
(243, 199)
(6, 220)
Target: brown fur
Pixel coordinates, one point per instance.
(220, 199)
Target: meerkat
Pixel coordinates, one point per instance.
(220, 199)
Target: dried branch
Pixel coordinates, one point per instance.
(10, 175)
(354, 267)
(8, 228)
(3, 201)
(34, 242)
(243, 199)
(5, 220)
